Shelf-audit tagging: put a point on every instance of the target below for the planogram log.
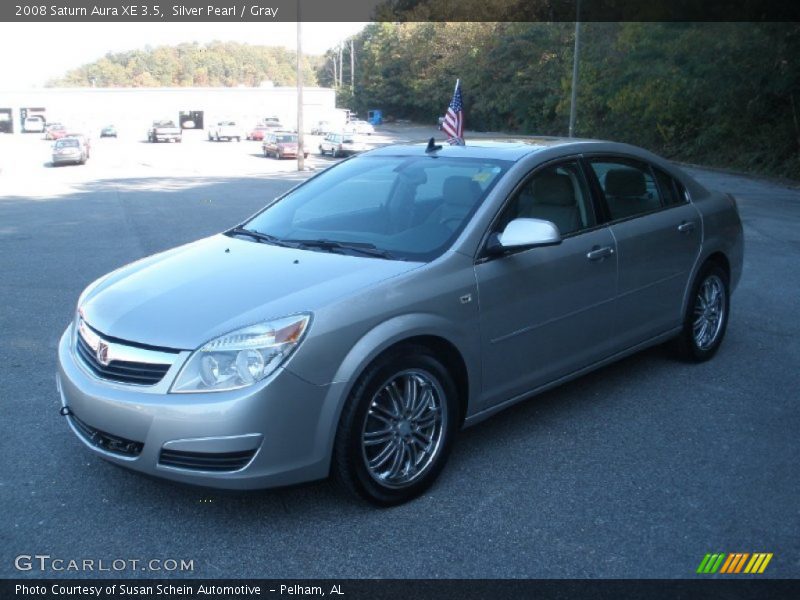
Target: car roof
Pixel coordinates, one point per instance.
(514, 149)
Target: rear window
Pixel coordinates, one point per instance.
(671, 191)
(66, 143)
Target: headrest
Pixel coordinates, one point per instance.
(625, 182)
(553, 190)
(460, 190)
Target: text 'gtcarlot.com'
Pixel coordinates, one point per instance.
(45, 562)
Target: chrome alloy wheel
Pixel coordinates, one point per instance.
(403, 429)
(709, 312)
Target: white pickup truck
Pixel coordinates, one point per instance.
(225, 130)
(164, 131)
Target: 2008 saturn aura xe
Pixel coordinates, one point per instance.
(356, 323)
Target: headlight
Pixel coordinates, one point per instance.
(242, 357)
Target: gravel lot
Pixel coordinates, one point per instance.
(636, 470)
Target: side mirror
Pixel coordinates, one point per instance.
(524, 233)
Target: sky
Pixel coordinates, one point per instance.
(32, 53)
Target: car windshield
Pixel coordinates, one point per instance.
(287, 139)
(66, 143)
(410, 207)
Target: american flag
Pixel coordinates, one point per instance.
(453, 124)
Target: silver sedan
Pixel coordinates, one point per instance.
(356, 323)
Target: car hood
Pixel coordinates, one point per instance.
(186, 296)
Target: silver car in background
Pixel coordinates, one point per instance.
(70, 150)
(356, 323)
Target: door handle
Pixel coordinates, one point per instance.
(597, 253)
(686, 227)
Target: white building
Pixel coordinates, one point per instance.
(134, 109)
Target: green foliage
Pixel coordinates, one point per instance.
(725, 94)
(217, 64)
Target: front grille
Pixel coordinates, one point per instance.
(120, 370)
(106, 441)
(204, 461)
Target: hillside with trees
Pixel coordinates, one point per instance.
(226, 64)
(725, 94)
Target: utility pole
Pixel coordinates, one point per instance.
(352, 68)
(574, 99)
(341, 66)
(300, 146)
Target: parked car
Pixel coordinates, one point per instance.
(55, 131)
(70, 150)
(356, 323)
(33, 124)
(341, 144)
(359, 127)
(274, 125)
(108, 131)
(257, 132)
(225, 130)
(281, 144)
(321, 128)
(164, 131)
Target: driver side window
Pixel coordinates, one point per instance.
(558, 194)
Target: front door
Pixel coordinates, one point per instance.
(547, 311)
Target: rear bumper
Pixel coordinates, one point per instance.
(70, 158)
(279, 432)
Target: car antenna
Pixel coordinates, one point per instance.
(432, 146)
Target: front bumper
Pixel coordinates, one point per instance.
(279, 432)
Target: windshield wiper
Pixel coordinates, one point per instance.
(364, 248)
(260, 237)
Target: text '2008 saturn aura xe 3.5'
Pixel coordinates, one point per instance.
(356, 323)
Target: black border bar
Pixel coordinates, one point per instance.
(396, 10)
(745, 588)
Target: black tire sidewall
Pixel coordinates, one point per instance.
(349, 464)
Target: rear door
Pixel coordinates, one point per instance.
(547, 311)
(658, 236)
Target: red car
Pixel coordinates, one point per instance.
(281, 144)
(55, 132)
(257, 134)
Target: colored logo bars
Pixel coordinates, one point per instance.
(735, 563)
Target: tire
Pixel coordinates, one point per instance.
(238, 139)
(266, 154)
(708, 306)
(381, 472)
(278, 155)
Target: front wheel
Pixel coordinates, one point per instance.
(397, 427)
(706, 317)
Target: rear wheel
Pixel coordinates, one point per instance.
(706, 317)
(397, 427)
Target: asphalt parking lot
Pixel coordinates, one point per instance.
(637, 470)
